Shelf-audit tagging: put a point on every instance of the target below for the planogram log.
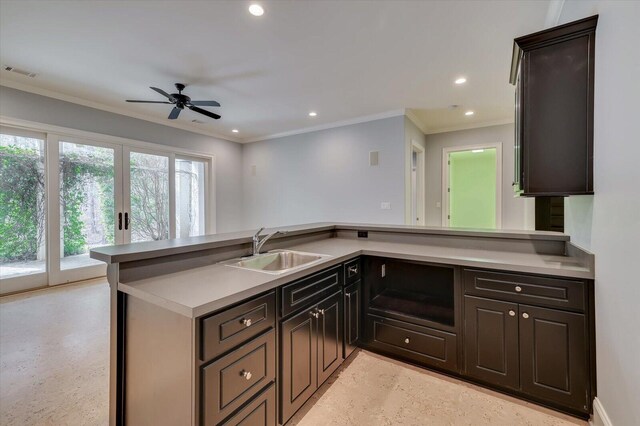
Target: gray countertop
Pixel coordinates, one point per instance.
(198, 291)
(152, 249)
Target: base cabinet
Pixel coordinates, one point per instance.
(539, 352)
(553, 356)
(491, 341)
(352, 317)
(311, 350)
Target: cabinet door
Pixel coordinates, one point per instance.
(299, 355)
(351, 318)
(330, 326)
(553, 356)
(491, 341)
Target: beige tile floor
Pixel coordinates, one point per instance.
(54, 361)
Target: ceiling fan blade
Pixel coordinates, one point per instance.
(163, 93)
(175, 112)
(149, 102)
(204, 112)
(205, 103)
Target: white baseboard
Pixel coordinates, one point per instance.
(599, 417)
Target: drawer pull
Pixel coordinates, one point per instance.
(247, 322)
(518, 289)
(353, 269)
(314, 314)
(525, 315)
(512, 313)
(246, 374)
(406, 340)
(321, 311)
(348, 295)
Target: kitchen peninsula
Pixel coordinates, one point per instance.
(198, 339)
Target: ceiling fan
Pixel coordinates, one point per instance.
(180, 101)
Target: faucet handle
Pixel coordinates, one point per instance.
(257, 234)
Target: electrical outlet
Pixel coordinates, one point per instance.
(385, 205)
(363, 234)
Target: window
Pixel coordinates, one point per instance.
(22, 204)
(190, 197)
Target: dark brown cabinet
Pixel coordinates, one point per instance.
(553, 356)
(352, 317)
(553, 71)
(541, 352)
(491, 341)
(311, 349)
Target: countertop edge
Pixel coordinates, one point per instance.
(147, 250)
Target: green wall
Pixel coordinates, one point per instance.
(472, 179)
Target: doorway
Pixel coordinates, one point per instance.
(472, 177)
(417, 185)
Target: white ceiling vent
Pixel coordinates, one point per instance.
(19, 71)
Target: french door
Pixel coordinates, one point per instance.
(62, 196)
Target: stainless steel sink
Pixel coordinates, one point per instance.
(278, 261)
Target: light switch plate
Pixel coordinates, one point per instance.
(385, 205)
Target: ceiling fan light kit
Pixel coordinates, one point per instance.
(180, 101)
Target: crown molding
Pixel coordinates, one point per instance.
(415, 120)
(104, 107)
(470, 126)
(357, 120)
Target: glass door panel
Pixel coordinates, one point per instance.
(148, 218)
(190, 197)
(87, 202)
(22, 210)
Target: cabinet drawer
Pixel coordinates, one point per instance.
(541, 291)
(352, 271)
(310, 290)
(228, 329)
(421, 344)
(235, 378)
(259, 412)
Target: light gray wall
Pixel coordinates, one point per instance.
(411, 134)
(325, 176)
(608, 223)
(517, 213)
(28, 106)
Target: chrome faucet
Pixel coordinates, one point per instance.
(258, 241)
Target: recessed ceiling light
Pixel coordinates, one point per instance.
(477, 150)
(256, 10)
(469, 113)
(234, 130)
(313, 114)
(461, 80)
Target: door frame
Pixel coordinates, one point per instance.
(56, 274)
(420, 184)
(445, 178)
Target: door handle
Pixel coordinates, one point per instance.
(120, 221)
(126, 221)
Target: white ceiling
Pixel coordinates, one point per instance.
(343, 59)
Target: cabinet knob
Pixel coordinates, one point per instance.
(525, 315)
(314, 314)
(246, 374)
(321, 311)
(512, 313)
(348, 295)
(518, 288)
(353, 269)
(406, 340)
(247, 322)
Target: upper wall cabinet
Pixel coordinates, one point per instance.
(553, 74)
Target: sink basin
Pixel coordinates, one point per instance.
(278, 261)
